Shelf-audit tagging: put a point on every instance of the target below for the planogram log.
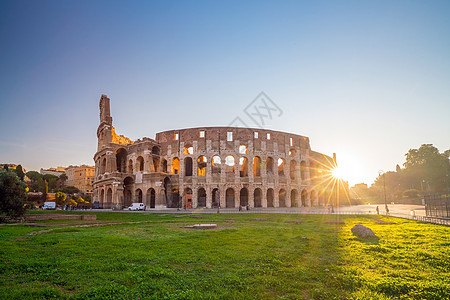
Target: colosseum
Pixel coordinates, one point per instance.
(208, 167)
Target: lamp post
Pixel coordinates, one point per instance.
(381, 172)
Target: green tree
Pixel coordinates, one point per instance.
(12, 194)
(19, 172)
(63, 178)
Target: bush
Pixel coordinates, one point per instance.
(12, 194)
(411, 193)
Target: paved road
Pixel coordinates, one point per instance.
(395, 210)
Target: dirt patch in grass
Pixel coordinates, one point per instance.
(383, 222)
(259, 219)
(335, 222)
(198, 217)
(299, 221)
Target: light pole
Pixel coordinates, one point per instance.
(381, 172)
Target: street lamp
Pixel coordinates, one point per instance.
(381, 172)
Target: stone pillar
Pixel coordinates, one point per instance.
(208, 196)
(251, 196)
(264, 197)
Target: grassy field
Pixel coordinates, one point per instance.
(250, 256)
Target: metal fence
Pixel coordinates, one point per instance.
(437, 205)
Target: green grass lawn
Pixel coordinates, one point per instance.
(250, 256)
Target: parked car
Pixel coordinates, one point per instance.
(49, 205)
(137, 206)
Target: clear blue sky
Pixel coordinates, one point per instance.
(365, 79)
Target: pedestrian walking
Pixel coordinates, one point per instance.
(378, 211)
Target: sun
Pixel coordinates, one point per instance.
(337, 173)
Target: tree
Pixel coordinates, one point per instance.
(19, 172)
(12, 194)
(69, 190)
(60, 198)
(63, 178)
(5, 167)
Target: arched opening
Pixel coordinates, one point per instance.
(201, 166)
(151, 197)
(312, 170)
(188, 149)
(102, 198)
(121, 160)
(269, 166)
(229, 164)
(176, 203)
(103, 166)
(215, 197)
(313, 198)
(155, 161)
(243, 163)
(175, 167)
(281, 166)
(201, 197)
(128, 183)
(140, 164)
(139, 196)
(243, 149)
(155, 150)
(188, 198)
(270, 198)
(188, 166)
(167, 192)
(216, 164)
(304, 196)
(243, 197)
(292, 169)
(130, 166)
(294, 195)
(303, 170)
(108, 198)
(282, 198)
(257, 196)
(256, 166)
(229, 198)
(292, 153)
(164, 166)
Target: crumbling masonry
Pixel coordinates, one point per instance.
(207, 167)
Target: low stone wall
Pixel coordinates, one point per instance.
(42, 217)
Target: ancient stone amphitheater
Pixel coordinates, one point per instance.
(207, 167)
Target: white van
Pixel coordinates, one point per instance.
(137, 206)
(49, 205)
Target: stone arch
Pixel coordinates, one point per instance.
(256, 166)
(313, 198)
(151, 197)
(140, 164)
(282, 198)
(128, 183)
(292, 169)
(243, 197)
(188, 149)
(155, 161)
(303, 170)
(139, 198)
(257, 196)
(188, 198)
(215, 197)
(175, 166)
(281, 166)
(229, 164)
(188, 166)
(155, 150)
(243, 149)
(103, 166)
(270, 196)
(304, 197)
(102, 197)
(292, 153)
(201, 165)
(294, 195)
(269, 166)
(201, 197)
(164, 166)
(243, 167)
(121, 160)
(229, 195)
(216, 164)
(109, 198)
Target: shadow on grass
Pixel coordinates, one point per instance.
(367, 240)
